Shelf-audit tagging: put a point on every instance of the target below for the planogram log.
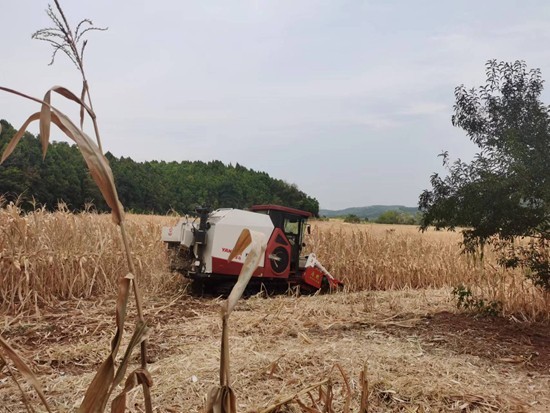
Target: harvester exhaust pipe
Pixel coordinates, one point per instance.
(200, 233)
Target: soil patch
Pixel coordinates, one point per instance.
(496, 338)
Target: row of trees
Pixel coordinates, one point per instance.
(388, 217)
(399, 217)
(150, 187)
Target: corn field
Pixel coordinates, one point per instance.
(389, 257)
(48, 257)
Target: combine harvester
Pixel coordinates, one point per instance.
(200, 250)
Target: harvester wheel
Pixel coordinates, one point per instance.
(197, 288)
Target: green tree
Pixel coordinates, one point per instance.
(142, 186)
(504, 192)
(399, 216)
(352, 218)
(388, 217)
(396, 217)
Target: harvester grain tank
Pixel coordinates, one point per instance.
(200, 250)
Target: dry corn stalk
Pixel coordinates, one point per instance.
(222, 399)
(24, 369)
(52, 256)
(364, 390)
(325, 397)
(106, 379)
(108, 376)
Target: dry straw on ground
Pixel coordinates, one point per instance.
(296, 342)
(282, 345)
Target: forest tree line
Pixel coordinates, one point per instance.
(143, 187)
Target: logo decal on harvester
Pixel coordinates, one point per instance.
(238, 257)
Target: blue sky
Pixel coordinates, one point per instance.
(350, 100)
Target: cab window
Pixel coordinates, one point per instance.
(291, 226)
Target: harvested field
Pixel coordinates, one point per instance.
(396, 316)
(421, 354)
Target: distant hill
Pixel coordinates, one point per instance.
(371, 212)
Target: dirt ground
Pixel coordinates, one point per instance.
(422, 355)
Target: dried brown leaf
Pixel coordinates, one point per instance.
(124, 284)
(17, 137)
(66, 93)
(24, 369)
(58, 89)
(243, 241)
(97, 163)
(364, 390)
(257, 240)
(329, 398)
(24, 397)
(97, 393)
(100, 388)
(140, 334)
(221, 400)
(135, 378)
(45, 122)
(71, 96)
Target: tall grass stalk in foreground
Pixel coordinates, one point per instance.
(109, 376)
(222, 399)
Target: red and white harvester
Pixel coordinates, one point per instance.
(200, 250)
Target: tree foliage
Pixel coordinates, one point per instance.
(504, 192)
(397, 217)
(352, 219)
(150, 187)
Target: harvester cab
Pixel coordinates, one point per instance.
(292, 222)
(199, 250)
